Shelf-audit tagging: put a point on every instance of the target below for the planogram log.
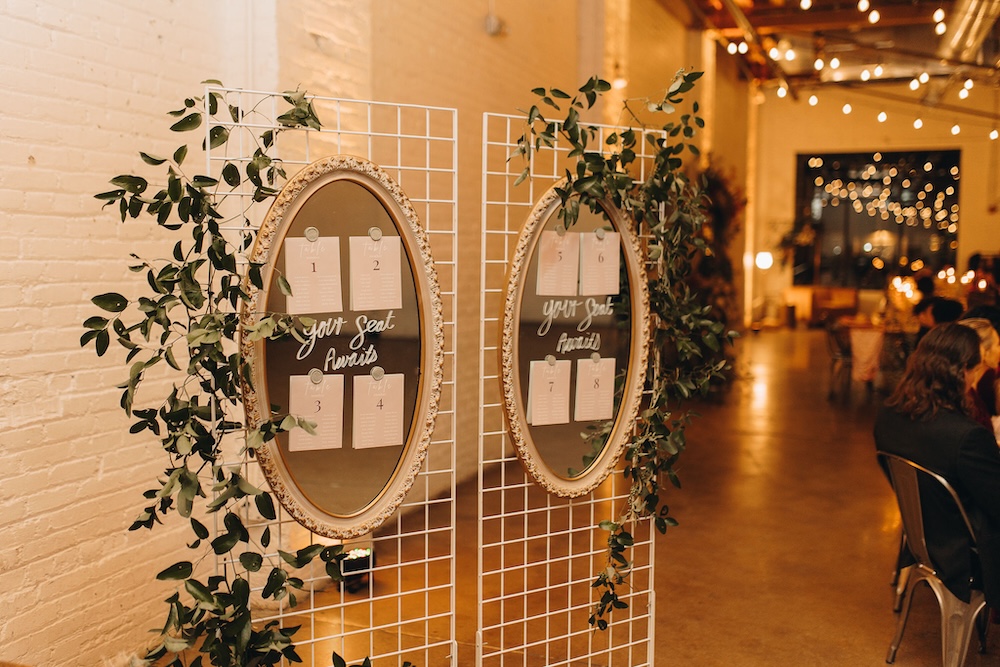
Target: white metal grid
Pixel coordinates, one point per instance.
(538, 553)
(403, 606)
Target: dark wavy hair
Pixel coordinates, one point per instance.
(935, 373)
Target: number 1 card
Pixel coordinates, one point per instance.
(312, 268)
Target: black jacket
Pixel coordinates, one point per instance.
(966, 454)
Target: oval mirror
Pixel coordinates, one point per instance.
(344, 254)
(574, 344)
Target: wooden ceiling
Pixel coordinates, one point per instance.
(902, 43)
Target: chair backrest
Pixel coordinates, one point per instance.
(838, 340)
(905, 476)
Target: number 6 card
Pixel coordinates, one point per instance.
(321, 403)
(600, 263)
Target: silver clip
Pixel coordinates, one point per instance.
(311, 234)
(316, 376)
(377, 373)
(375, 233)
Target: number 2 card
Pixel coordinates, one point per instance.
(376, 274)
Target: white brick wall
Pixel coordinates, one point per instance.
(86, 86)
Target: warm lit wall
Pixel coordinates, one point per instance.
(789, 127)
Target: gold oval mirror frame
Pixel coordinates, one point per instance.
(367, 368)
(567, 335)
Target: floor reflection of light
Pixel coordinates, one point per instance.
(758, 389)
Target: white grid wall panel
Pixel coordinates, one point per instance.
(539, 553)
(404, 608)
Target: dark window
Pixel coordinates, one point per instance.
(865, 217)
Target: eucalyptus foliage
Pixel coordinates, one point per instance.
(668, 209)
(188, 319)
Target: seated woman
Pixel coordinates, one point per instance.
(926, 420)
(982, 395)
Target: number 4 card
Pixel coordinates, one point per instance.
(319, 402)
(378, 411)
(595, 389)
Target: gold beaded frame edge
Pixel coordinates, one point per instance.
(639, 350)
(273, 229)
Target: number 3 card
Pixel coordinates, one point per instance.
(312, 268)
(595, 389)
(376, 279)
(322, 403)
(378, 411)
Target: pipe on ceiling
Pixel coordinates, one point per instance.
(968, 26)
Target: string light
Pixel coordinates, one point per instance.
(805, 4)
(731, 48)
(818, 64)
(813, 101)
(863, 5)
(878, 70)
(963, 93)
(865, 75)
(914, 84)
(882, 116)
(917, 123)
(994, 134)
(955, 129)
(874, 17)
(742, 47)
(834, 62)
(968, 84)
(782, 91)
(924, 77)
(938, 15)
(940, 29)
(847, 108)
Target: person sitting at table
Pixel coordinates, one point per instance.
(983, 394)
(926, 420)
(935, 310)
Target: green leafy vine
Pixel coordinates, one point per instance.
(668, 209)
(188, 319)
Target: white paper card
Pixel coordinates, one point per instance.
(558, 262)
(376, 282)
(378, 411)
(595, 390)
(548, 392)
(312, 268)
(600, 262)
(322, 403)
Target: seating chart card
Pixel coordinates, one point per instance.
(600, 264)
(375, 273)
(378, 411)
(312, 268)
(548, 392)
(322, 403)
(595, 389)
(558, 264)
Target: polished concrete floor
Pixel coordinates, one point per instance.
(788, 529)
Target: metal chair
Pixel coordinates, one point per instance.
(958, 618)
(838, 341)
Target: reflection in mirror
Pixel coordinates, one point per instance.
(366, 367)
(574, 344)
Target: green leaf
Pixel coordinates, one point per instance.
(133, 184)
(265, 505)
(251, 560)
(199, 591)
(231, 174)
(110, 301)
(179, 156)
(190, 122)
(217, 136)
(283, 285)
(96, 322)
(151, 159)
(181, 570)
(225, 542)
(199, 529)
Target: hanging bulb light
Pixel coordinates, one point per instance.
(938, 15)
(774, 53)
(834, 62)
(878, 70)
(917, 124)
(968, 84)
(790, 54)
(731, 48)
(874, 17)
(863, 5)
(963, 93)
(865, 75)
(813, 100)
(924, 77)
(847, 108)
(805, 4)
(742, 47)
(882, 116)
(914, 84)
(994, 134)
(955, 129)
(782, 91)
(818, 63)
(940, 29)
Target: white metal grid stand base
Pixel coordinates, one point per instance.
(538, 553)
(402, 607)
